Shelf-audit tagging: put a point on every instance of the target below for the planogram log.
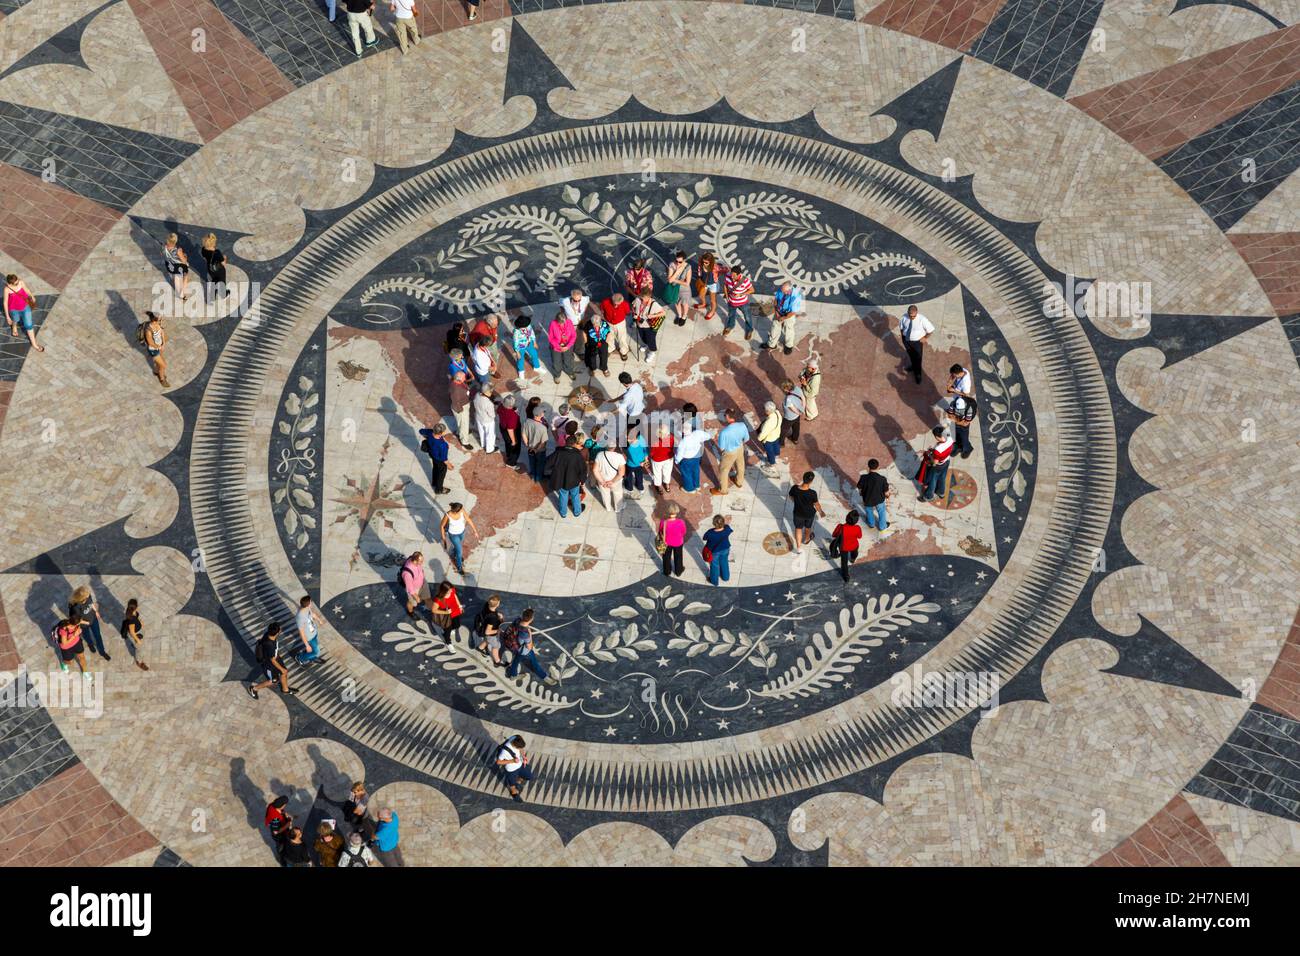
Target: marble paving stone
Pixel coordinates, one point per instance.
(223, 83)
(952, 24)
(1173, 837)
(1275, 260)
(1041, 42)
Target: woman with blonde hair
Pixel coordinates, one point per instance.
(83, 606)
(672, 536)
(19, 302)
(216, 263)
(177, 264)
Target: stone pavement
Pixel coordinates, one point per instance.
(1096, 205)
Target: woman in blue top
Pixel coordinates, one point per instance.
(717, 540)
(634, 475)
(525, 344)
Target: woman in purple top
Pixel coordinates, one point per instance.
(672, 531)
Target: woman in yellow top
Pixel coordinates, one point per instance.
(769, 434)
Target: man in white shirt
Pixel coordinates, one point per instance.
(631, 404)
(576, 306)
(959, 386)
(309, 622)
(915, 330)
(404, 24)
(689, 451)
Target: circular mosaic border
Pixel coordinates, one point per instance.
(252, 576)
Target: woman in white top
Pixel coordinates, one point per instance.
(452, 530)
(177, 265)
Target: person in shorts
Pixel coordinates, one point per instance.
(67, 636)
(487, 626)
(806, 510)
(272, 667)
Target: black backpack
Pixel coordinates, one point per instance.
(355, 859)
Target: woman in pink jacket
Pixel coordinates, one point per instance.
(563, 337)
(412, 576)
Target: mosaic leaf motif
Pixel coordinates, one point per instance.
(293, 492)
(477, 671)
(500, 240)
(845, 642)
(1007, 423)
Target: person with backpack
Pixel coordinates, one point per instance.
(487, 625)
(568, 471)
(67, 637)
(413, 582)
(267, 653)
(151, 334)
(133, 632)
(517, 638)
(433, 442)
(513, 763)
(933, 474)
(356, 853)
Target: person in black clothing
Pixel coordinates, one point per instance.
(268, 659)
(216, 263)
(567, 476)
(294, 852)
(457, 340)
(874, 490)
(433, 442)
(806, 510)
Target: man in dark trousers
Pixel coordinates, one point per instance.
(915, 330)
(567, 476)
(435, 444)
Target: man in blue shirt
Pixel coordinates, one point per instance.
(386, 837)
(731, 452)
(434, 443)
(788, 306)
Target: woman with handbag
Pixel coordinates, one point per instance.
(662, 450)
(717, 549)
(706, 284)
(648, 315)
(18, 309)
(446, 610)
(671, 539)
(677, 288)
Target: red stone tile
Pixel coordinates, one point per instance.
(37, 829)
(952, 23)
(48, 229)
(1173, 837)
(1159, 111)
(230, 80)
(1281, 689)
(1274, 257)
